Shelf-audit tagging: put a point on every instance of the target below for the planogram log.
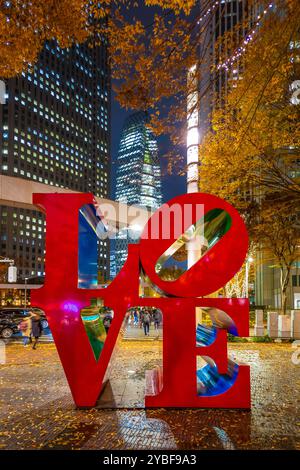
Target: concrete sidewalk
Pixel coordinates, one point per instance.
(136, 333)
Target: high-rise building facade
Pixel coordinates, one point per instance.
(138, 176)
(55, 129)
(209, 80)
(138, 171)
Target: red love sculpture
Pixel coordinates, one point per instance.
(223, 246)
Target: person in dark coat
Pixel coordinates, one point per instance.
(146, 322)
(36, 328)
(107, 322)
(157, 319)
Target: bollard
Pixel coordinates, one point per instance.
(284, 326)
(295, 324)
(259, 329)
(2, 352)
(272, 324)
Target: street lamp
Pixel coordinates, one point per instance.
(12, 270)
(2, 92)
(25, 288)
(25, 300)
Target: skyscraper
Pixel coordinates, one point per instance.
(138, 178)
(55, 129)
(210, 79)
(138, 171)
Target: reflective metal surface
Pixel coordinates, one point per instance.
(199, 238)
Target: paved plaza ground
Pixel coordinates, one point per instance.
(37, 411)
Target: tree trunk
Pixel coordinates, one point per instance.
(284, 283)
(283, 302)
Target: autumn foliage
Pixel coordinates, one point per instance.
(250, 156)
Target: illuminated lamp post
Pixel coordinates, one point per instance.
(194, 245)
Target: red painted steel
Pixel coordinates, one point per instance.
(216, 267)
(62, 301)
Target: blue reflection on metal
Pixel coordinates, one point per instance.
(205, 335)
(233, 330)
(211, 383)
(87, 249)
(92, 317)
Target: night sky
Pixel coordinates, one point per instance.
(172, 185)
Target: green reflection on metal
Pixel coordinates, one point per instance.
(95, 330)
(209, 230)
(217, 222)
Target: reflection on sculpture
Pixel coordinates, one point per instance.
(96, 325)
(63, 301)
(210, 382)
(207, 231)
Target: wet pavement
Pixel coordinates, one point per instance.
(37, 411)
(136, 333)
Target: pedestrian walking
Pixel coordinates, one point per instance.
(141, 316)
(36, 328)
(146, 323)
(157, 319)
(107, 322)
(136, 317)
(25, 328)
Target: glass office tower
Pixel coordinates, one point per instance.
(138, 180)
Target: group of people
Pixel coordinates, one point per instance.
(144, 317)
(31, 329)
